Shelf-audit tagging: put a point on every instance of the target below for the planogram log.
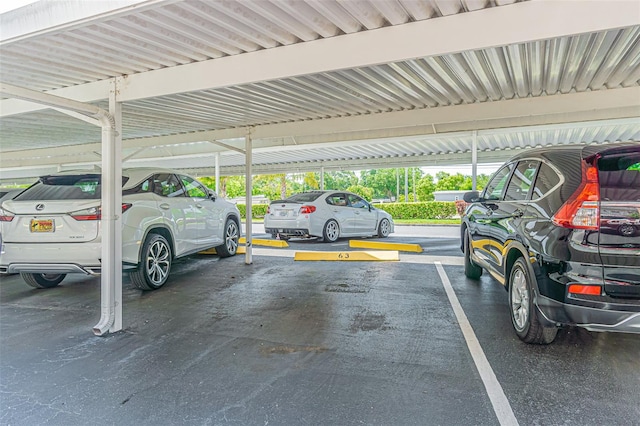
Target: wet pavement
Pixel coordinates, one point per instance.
(280, 342)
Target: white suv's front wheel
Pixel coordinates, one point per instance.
(231, 237)
(155, 265)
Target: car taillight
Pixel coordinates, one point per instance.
(594, 290)
(582, 209)
(307, 209)
(268, 209)
(95, 213)
(6, 216)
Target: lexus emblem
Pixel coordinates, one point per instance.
(39, 207)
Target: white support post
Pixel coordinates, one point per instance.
(474, 160)
(217, 164)
(111, 193)
(248, 258)
(113, 163)
(111, 223)
(406, 184)
(413, 184)
(322, 178)
(397, 185)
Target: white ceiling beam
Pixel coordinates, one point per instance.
(546, 110)
(497, 26)
(490, 27)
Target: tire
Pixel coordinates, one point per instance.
(471, 270)
(384, 228)
(155, 264)
(231, 237)
(524, 315)
(331, 231)
(627, 230)
(42, 280)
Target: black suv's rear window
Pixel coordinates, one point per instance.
(619, 177)
(65, 187)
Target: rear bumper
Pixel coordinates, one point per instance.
(290, 232)
(624, 317)
(82, 258)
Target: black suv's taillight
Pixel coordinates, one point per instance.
(582, 209)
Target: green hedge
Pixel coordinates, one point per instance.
(422, 210)
(258, 210)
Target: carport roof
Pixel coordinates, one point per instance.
(358, 84)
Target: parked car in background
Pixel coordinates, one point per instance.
(558, 227)
(326, 214)
(6, 194)
(53, 227)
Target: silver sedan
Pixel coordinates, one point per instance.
(328, 215)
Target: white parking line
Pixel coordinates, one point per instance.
(500, 403)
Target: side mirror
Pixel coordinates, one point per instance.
(471, 196)
(212, 194)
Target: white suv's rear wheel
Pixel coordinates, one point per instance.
(42, 280)
(155, 265)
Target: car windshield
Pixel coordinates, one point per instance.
(65, 187)
(303, 197)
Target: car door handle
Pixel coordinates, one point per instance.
(164, 206)
(198, 205)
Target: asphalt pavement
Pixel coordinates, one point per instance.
(281, 342)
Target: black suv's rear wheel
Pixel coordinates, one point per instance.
(471, 270)
(42, 280)
(524, 315)
(155, 264)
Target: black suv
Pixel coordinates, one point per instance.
(559, 227)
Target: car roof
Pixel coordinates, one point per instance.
(583, 150)
(134, 174)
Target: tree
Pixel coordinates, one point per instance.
(271, 186)
(232, 186)
(310, 181)
(381, 181)
(339, 180)
(363, 191)
(425, 188)
(457, 182)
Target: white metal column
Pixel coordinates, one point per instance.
(99, 117)
(112, 210)
(217, 164)
(474, 160)
(406, 185)
(322, 178)
(248, 258)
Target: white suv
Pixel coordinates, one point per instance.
(53, 227)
